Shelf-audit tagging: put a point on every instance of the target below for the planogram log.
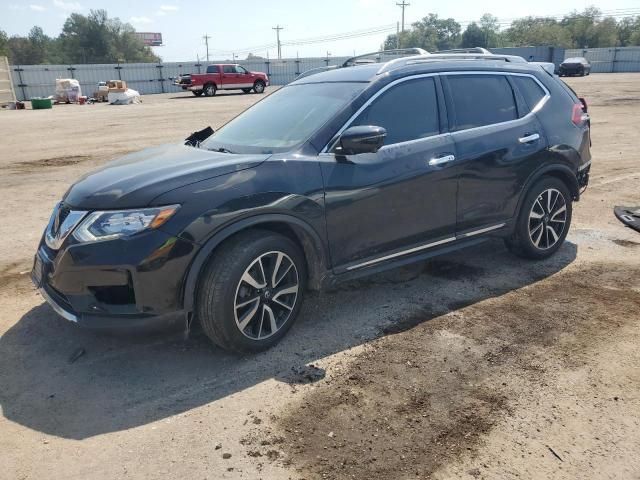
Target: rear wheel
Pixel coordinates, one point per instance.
(544, 220)
(209, 90)
(259, 86)
(197, 93)
(251, 290)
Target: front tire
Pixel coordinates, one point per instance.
(209, 90)
(259, 86)
(251, 290)
(544, 220)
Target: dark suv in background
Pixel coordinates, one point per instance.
(340, 174)
(575, 66)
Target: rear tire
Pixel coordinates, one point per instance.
(544, 220)
(209, 90)
(259, 86)
(251, 290)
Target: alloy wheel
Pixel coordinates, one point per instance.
(547, 219)
(266, 295)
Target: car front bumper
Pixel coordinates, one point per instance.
(120, 286)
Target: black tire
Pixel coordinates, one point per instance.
(259, 86)
(223, 290)
(581, 73)
(209, 90)
(536, 218)
(246, 90)
(197, 93)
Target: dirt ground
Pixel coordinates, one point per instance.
(474, 365)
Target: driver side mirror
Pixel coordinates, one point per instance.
(361, 139)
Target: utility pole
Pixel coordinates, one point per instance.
(277, 28)
(206, 41)
(403, 5)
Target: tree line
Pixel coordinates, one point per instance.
(94, 38)
(588, 29)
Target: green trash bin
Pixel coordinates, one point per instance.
(40, 103)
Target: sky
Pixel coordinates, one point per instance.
(247, 25)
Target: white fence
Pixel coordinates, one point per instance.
(609, 60)
(32, 81)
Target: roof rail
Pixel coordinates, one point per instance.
(434, 57)
(465, 50)
(360, 59)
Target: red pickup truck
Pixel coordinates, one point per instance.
(224, 76)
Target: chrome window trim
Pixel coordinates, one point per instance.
(326, 150)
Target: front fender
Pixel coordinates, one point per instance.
(314, 249)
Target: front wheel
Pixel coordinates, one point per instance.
(259, 86)
(209, 90)
(246, 90)
(251, 290)
(544, 220)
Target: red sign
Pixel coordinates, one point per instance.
(151, 39)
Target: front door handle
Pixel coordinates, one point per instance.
(441, 160)
(529, 138)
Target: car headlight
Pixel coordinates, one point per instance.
(112, 224)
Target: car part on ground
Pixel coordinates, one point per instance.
(630, 216)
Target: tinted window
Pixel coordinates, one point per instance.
(229, 69)
(408, 111)
(530, 90)
(240, 69)
(481, 100)
(212, 69)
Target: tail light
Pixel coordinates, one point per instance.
(579, 114)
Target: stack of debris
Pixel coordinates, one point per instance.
(119, 94)
(67, 90)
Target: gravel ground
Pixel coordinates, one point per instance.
(473, 365)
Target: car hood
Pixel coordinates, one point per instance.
(136, 179)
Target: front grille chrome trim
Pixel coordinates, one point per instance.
(62, 222)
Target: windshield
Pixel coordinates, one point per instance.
(284, 119)
(574, 60)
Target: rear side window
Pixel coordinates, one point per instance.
(212, 69)
(480, 100)
(408, 111)
(530, 90)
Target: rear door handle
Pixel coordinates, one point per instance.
(441, 160)
(529, 138)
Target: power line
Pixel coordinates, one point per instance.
(389, 28)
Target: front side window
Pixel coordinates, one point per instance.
(285, 119)
(240, 69)
(479, 100)
(408, 111)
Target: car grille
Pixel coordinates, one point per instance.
(63, 221)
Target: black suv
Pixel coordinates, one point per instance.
(340, 174)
